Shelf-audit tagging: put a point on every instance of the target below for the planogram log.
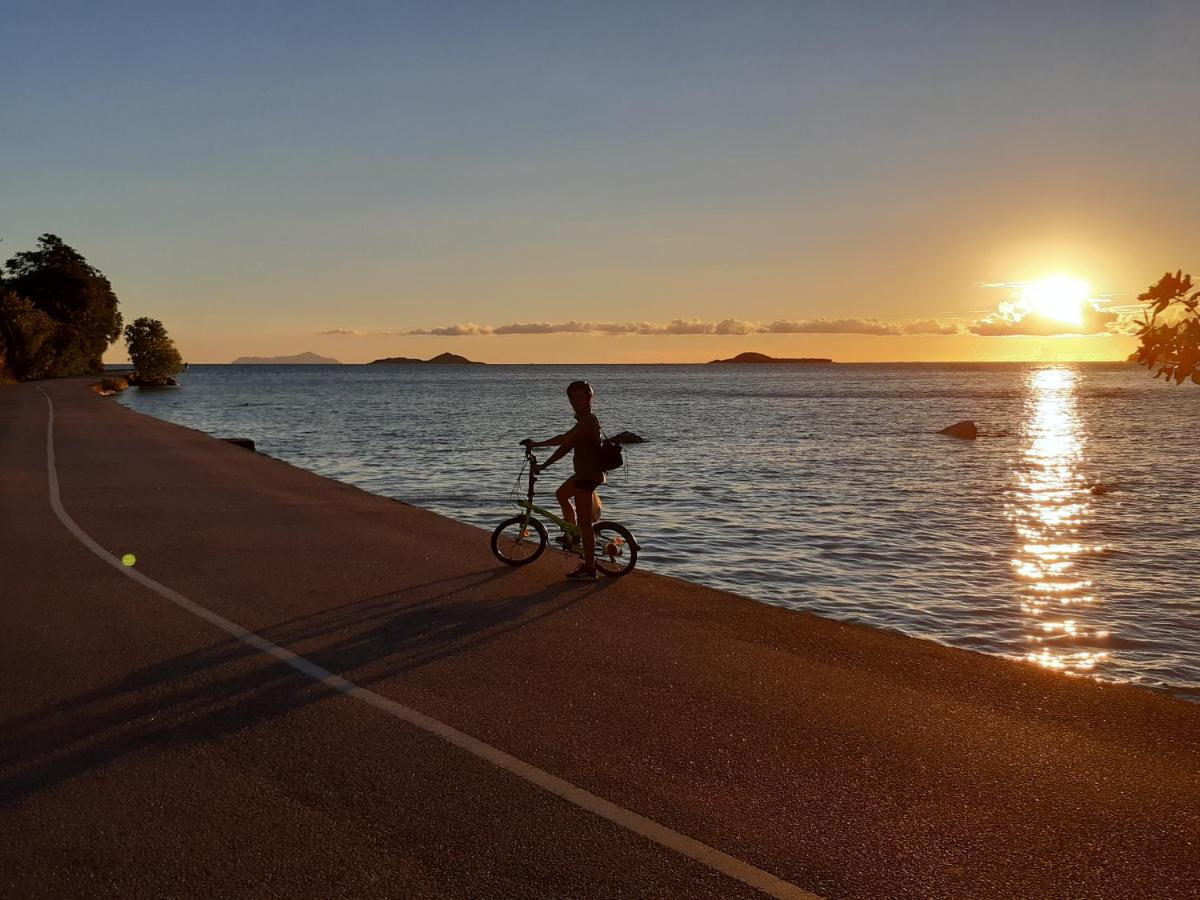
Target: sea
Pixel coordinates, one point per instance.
(1067, 535)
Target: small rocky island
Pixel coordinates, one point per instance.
(763, 358)
(307, 358)
(442, 359)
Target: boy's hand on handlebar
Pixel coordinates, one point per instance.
(528, 443)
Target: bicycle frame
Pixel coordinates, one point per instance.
(530, 507)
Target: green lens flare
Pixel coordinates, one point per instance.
(128, 559)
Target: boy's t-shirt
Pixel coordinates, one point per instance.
(586, 438)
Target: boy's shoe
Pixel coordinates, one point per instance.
(582, 574)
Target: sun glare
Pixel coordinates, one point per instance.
(1058, 297)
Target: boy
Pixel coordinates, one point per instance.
(584, 439)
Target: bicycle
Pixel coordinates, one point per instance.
(522, 539)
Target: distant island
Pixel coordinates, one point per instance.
(763, 358)
(302, 359)
(442, 359)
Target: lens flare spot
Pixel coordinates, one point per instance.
(128, 559)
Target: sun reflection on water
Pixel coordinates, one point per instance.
(1050, 510)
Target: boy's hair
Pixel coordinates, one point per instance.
(580, 386)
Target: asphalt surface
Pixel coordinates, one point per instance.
(145, 752)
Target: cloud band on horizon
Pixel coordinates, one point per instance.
(1003, 322)
(869, 326)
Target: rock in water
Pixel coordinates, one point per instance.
(965, 430)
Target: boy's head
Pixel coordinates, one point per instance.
(580, 395)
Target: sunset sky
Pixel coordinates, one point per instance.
(860, 181)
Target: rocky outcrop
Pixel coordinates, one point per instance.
(106, 387)
(964, 430)
(743, 358)
(442, 359)
(308, 358)
(137, 381)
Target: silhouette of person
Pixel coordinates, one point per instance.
(584, 440)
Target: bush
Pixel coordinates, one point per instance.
(26, 338)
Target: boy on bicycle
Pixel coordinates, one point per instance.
(584, 440)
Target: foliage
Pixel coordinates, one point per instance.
(1169, 337)
(152, 351)
(26, 349)
(77, 300)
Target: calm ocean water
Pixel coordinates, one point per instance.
(1069, 537)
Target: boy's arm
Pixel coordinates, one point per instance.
(564, 442)
(550, 442)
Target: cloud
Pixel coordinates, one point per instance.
(341, 331)
(735, 326)
(679, 326)
(833, 326)
(571, 327)
(460, 330)
(931, 326)
(868, 326)
(1009, 320)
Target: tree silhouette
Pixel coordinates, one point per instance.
(56, 280)
(152, 351)
(1169, 336)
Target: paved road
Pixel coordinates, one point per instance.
(145, 751)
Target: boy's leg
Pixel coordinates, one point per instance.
(583, 503)
(564, 494)
(597, 507)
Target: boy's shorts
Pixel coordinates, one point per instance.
(586, 484)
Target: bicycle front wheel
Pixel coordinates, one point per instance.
(519, 541)
(616, 550)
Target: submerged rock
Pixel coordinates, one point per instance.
(964, 430)
(109, 386)
(245, 443)
(138, 381)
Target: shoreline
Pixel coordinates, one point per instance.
(876, 757)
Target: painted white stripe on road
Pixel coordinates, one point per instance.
(577, 796)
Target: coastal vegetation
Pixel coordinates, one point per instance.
(152, 352)
(1169, 336)
(58, 313)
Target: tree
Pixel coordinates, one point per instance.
(1169, 336)
(152, 351)
(25, 337)
(58, 281)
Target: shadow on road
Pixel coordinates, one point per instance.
(229, 686)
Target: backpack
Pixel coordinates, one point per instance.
(610, 455)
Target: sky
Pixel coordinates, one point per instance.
(608, 182)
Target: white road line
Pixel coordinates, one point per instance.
(647, 828)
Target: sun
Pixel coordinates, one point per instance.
(1059, 297)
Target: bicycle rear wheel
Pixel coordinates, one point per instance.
(519, 541)
(616, 550)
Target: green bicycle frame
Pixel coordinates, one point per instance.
(530, 507)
